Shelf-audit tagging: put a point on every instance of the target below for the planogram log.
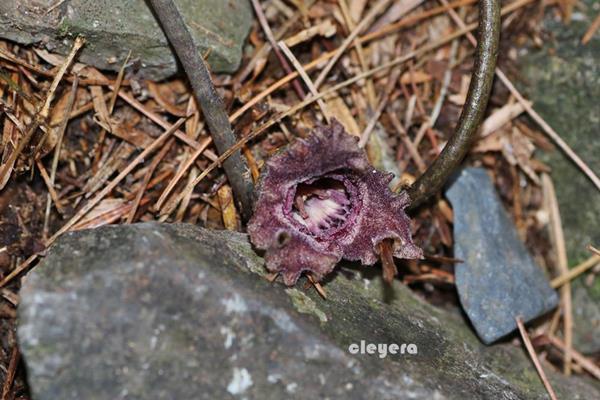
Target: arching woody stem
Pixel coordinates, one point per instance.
(437, 174)
(211, 103)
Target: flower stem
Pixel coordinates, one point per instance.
(434, 178)
(211, 103)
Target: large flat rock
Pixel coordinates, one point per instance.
(113, 28)
(153, 311)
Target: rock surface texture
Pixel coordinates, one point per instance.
(564, 84)
(113, 28)
(152, 311)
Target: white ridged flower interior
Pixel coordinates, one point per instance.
(322, 206)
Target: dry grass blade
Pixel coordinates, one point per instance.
(10, 374)
(139, 159)
(591, 30)
(262, 19)
(577, 270)
(368, 19)
(309, 83)
(78, 44)
(350, 24)
(42, 115)
(585, 362)
(558, 240)
(180, 172)
(154, 117)
(56, 156)
(316, 285)
(535, 359)
(138, 198)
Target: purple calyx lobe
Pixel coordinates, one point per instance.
(319, 201)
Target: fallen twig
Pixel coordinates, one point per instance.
(534, 358)
(209, 100)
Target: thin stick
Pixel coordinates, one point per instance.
(315, 63)
(591, 30)
(118, 83)
(22, 267)
(412, 150)
(558, 239)
(437, 108)
(262, 19)
(61, 134)
(366, 134)
(585, 362)
(351, 25)
(534, 358)
(6, 168)
(54, 6)
(373, 12)
(139, 159)
(164, 124)
(173, 182)
(317, 286)
(10, 374)
(78, 44)
(263, 51)
(146, 180)
(575, 271)
(209, 100)
(52, 195)
(309, 83)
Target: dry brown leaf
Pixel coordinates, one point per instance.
(338, 109)
(518, 150)
(228, 211)
(324, 28)
(106, 212)
(416, 77)
(500, 117)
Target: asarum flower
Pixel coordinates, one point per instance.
(320, 200)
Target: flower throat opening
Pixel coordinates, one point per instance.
(322, 206)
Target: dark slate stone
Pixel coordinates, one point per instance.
(114, 27)
(153, 311)
(498, 279)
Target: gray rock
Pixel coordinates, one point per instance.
(114, 27)
(498, 279)
(564, 83)
(154, 311)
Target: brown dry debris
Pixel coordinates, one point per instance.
(98, 149)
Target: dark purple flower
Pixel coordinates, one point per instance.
(320, 201)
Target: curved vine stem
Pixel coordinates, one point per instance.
(433, 179)
(210, 102)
